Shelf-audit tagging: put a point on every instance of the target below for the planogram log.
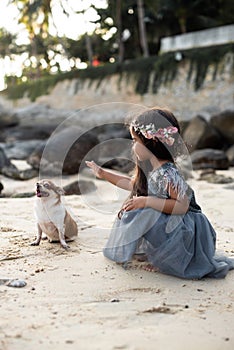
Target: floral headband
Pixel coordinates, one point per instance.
(150, 132)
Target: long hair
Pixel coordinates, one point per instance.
(160, 118)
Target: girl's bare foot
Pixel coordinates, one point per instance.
(150, 268)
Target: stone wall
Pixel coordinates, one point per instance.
(214, 96)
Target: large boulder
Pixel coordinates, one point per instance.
(21, 150)
(6, 167)
(117, 154)
(4, 161)
(14, 173)
(65, 151)
(34, 158)
(230, 155)
(112, 131)
(200, 134)
(224, 123)
(79, 187)
(209, 158)
(37, 114)
(28, 132)
(210, 175)
(7, 118)
(1, 187)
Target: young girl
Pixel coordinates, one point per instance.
(161, 217)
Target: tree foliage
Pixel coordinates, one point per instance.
(124, 30)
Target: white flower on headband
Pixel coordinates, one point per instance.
(150, 132)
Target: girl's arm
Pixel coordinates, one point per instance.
(122, 181)
(172, 205)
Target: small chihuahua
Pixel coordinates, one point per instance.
(52, 217)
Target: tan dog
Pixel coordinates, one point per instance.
(52, 217)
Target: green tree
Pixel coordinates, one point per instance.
(124, 30)
(7, 43)
(34, 15)
(190, 15)
(142, 28)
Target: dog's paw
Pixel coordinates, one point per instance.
(34, 243)
(65, 246)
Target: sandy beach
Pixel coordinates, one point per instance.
(78, 299)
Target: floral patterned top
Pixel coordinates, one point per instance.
(160, 179)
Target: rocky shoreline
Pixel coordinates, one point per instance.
(74, 136)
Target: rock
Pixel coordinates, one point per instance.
(10, 170)
(35, 157)
(111, 131)
(28, 132)
(23, 195)
(200, 134)
(46, 167)
(21, 150)
(6, 167)
(207, 171)
(115, 147)
(7, 118)
(212, 177)
(224, 123)
(183, 126)
(120, 164)
(28, 174)
(79, 187)
(4, 161)
(116, 154)
(37, 114)
(230, 155)
(185, 167)
(209, 158)
(12, 283)
(67, 149)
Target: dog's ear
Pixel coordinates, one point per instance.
(59, 191)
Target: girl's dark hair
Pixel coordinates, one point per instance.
(161, 118)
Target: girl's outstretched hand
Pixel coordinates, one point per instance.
(96, 169)
(135, 203)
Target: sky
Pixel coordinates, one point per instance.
(72, 27)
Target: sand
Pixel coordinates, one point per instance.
(78, 299)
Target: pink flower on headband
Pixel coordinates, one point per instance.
(162, 134)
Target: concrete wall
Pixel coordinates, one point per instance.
(201, 38)
(179, 95)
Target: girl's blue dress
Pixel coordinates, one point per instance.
(180, 245)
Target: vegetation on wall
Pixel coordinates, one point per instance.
(202, 59)
(163, 68)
